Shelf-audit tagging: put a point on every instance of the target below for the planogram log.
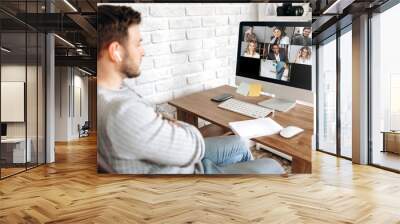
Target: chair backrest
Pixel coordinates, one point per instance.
(86, 125)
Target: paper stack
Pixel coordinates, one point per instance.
(255, 128)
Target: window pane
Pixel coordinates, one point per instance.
(385, 115)
(327, 96)
(346, 93)
(31, 99)
(15, 150)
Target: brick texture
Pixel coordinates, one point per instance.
(188, 47)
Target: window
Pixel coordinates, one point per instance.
(385, 86)
(346, 92)
(327, 96)
(22, 77)
(335, 94)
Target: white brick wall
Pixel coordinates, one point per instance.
(189, 47)
(200, 33)
(185, 45)
(212, 21)
(181, 23)
(167, 11)
(167, 35)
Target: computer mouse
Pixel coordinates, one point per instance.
(290, 131)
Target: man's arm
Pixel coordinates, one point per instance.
(137, 132)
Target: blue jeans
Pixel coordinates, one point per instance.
(231, 155)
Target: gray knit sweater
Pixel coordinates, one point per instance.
(134, 139)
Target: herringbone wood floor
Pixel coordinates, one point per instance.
(70, 191)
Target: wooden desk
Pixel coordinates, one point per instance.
(391, 141)
(196, 105)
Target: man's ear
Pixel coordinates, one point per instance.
(114, 52)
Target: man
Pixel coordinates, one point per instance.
(303, 40)
(132, 137)
(276, 53)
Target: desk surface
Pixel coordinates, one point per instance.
(300, 116)
(13, 140)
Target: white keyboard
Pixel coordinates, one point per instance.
(244, 108)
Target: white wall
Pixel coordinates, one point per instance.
(188, 47)
(68, 81)
(61, 103)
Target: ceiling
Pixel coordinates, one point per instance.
(330, 15)
(76, 23)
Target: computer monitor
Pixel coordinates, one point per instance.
(3, 130)
(278, 56)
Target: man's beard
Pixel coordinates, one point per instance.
(129, 70)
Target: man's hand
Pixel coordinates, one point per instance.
(170, 119)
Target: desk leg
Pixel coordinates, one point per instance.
(187, 117)
(300, 165)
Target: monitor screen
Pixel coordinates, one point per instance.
(277, 52)
(3, 129)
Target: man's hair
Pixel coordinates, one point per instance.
(113, 23)
(307, 28)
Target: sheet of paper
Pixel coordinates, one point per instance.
(255, 90)
(255, 128)
(243, 89)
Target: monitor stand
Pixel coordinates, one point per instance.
(281, 105)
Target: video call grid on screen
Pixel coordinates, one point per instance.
(285, 60)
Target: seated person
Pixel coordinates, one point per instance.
(250, 51)
(303, 56)
(282, 71)
(279, 36)
(304, 39)
(277, 53)
(132, 137)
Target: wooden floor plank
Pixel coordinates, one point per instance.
(71, 191)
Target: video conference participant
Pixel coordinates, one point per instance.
(250, 51)
(282, 71)
(249, 35)
(303, 56)
(132, 137)
(277, 53)
(303, 39)
(279, 36)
